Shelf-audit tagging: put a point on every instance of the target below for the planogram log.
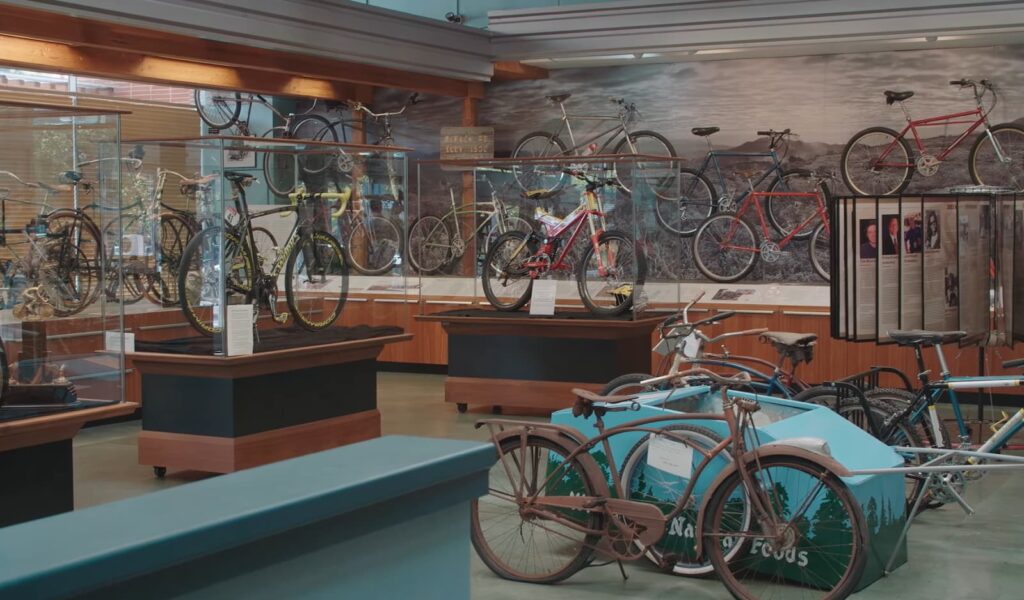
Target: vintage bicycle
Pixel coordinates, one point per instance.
(549, 507)
(618, 139)
(312, 261)
(791, 200)
(436, 242)
(726, 247)
(610, 271)
(880, 161)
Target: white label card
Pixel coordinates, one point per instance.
(239, 330)
(542, 300)
(666, 454)
(112, 341)
(691, 345)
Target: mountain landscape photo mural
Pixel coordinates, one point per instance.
(823, 99)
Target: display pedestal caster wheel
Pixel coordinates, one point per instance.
(160, 472)
(461, 407)
(495, 410)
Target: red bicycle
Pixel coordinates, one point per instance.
(611, 269)
(879, 161)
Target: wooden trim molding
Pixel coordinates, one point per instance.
(549, 395)
(61, 426)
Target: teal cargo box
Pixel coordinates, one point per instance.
(881, 497)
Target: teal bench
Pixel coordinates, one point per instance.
(386, 518)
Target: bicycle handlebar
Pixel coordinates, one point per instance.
(342, 198)
(772, 132)
(582, 176)
(359, 106)
(743, 333)
(740, 378)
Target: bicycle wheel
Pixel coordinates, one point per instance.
(787, 213)
(818, 547)
(316, 281)
(218, 109)
(199, 277)
(280, 170)
(315, 159)
(430, 245)
(533, 549)
(609, 279)
(820, 249)
(175, 235)
(627, 384)
(660, 177)
(725, 248)
(867, 173)
(374, 246)
(985, 164)
(266, 247)
(695, 202)
(538, 176)
(648, 483)
(507, 283)
(69, 278)
(487, 236)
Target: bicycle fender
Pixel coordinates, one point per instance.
(780, 448)
(585, 460)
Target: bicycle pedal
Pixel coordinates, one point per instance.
(281, 318)
(668, 562)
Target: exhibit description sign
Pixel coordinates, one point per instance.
(466, 143)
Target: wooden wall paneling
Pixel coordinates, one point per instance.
(395, 311)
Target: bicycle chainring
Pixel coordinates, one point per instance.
(726, 204)
(458, 247)
(770, 251)
(939, 489)
(345, 162)
(927, 165)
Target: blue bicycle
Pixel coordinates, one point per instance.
(699, 198)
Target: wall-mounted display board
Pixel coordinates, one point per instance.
(938, 261)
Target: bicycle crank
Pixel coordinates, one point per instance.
(770, 251)
(725, 204)
(927, 165)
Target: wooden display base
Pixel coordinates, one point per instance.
(223, 414)
(515, 360)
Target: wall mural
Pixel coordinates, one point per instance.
(824, 99)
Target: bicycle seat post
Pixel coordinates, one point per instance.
(943, 366)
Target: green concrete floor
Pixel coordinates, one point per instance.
(952, 555)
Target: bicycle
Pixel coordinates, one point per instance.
(879, 161)
(726, 248)
(683, 344)
(608, 274)
(699, 199)
(619, 138)
(549, 506)
(312, 260)
(437, 242)
(223, 110)
(374, 243)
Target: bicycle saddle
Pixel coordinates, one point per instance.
(585, 400)
(785, 338)
(559, 98)
(894, 97)
(916, 337)
(1013, 364)
(704, 131)
(236, 177)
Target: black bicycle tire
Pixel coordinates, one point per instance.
(193, 246)
(485, 275)
(564, 152)
(581, 274)
(704, 269)
(770, 203)
(843, 169)
(637, 134)
(349, 244)
(972, 158)
(411, 253)
(325, 127)
(712, 208)
(812, 244)
(290, 292)
(612, 387)
(219, 125)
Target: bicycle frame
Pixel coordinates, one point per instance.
(754, 199)
(944, 120)
(586, 212)
(612, 134)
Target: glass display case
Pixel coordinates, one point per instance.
(486, 231)
(61, 183)
(264, 235)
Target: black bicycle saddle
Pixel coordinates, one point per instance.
(704, 131)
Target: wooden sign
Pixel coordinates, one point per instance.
(466, 143)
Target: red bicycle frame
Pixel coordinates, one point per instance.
(754, 199)
(944, 120)
(590, 208)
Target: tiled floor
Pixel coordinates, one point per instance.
(952, 556)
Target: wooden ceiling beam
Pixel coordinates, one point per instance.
(513, 70)
(101, 35)
(96, 62)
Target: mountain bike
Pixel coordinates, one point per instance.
(549, 506)
(312, 261)
(698, 197)
(618, 139)
(223, 110)
(373, 243)
(608, 274)
(437, 242)
(879, 161)
(683, 345)
(726, 248)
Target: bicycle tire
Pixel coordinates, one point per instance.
(175, 234)
(820, 250)
(688, 562)
(266, 247)
(696, 202)
(83, 237)
(520, 246)
(988, 171)
(577, 556)
(423, 230)
(223, 118)
(319, 129)
(634, 281)
(63, 277)
(280, 171)
(838, 507)
(860, 184)
(238, 281)
(712, 234)
(382, 253)
(334, 266)
(529, 177)
(787, 213)
(666, 188)
(629, 381)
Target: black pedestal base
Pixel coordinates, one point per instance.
(36, 482)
